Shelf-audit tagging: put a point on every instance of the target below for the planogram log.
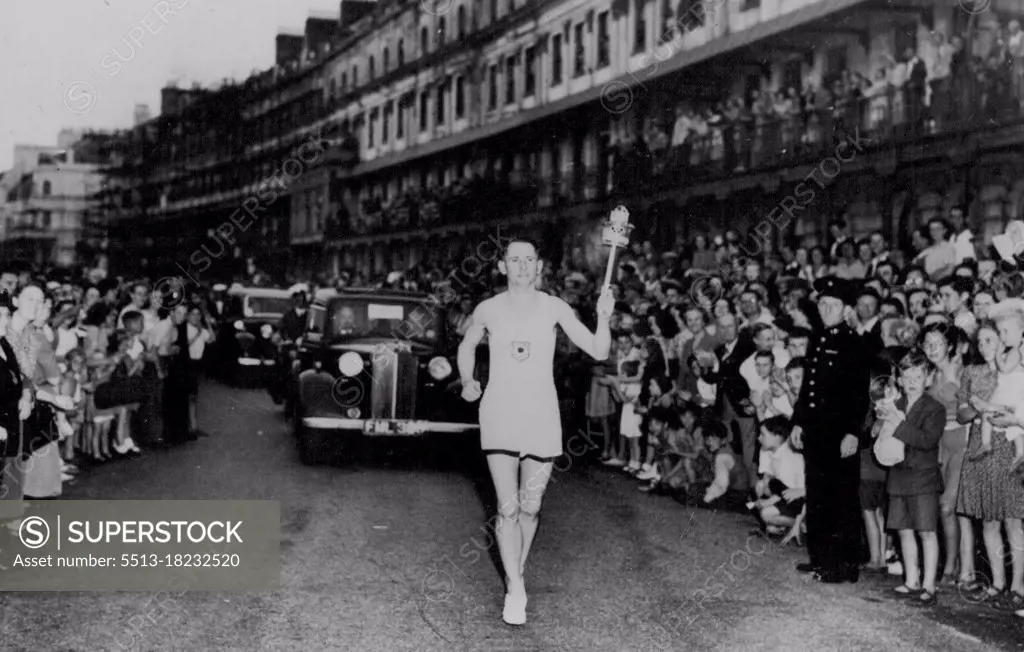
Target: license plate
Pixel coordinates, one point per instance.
(382, 427)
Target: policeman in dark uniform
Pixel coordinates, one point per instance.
(828, 419)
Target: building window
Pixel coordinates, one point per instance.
(747, 5)
(424, 41)
(494, 10)
(371, 70)
(355, 77)
(492, 95)
(47, 189)
(529, 74)
(386, 60)
(439, 106)
(401, 53)
(478, 12)
(47, 219)
(461, 22)
(389, 111)
(372, 127)
(424, 106)
(402, 116)
(460, 101)
(640, 27)
(510, 80)
(441, 30)
(604, 53)
(580, 60)
(556, 59)
(332, 89)
(344, 81)
(690, 16)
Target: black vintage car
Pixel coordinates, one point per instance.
(245, 348)
(375, 364)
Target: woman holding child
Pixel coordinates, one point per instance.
(993, 492)
(986, 483)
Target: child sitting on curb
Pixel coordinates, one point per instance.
(716, 442)
(782, 488)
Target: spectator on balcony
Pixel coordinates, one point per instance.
(917, 76)
(940, 75)
(878, 101)
(1015, 50)
(898, 77)
(715, 120)
(787, 110)
(732, 116)
(766, 138)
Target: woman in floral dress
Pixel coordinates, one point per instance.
(989, 490)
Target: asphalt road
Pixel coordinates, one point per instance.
(391, 553)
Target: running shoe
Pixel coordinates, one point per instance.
(514, 612)
(616, 462)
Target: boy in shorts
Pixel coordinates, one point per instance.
(915, 483)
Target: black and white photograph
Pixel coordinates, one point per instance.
(512, 325)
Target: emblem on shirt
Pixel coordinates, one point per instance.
(520, 351)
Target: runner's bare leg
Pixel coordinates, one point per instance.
(504, 470)
(533, 480)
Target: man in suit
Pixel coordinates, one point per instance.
(827, 424)
(734, 404)
(917, 79)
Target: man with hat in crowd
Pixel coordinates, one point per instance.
(827, 422)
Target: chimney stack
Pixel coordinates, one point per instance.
(353, 10)
(321, 32)
(289, 48)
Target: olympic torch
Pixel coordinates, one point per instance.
(615, 234)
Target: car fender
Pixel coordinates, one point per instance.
(316, 393)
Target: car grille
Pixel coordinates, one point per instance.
(407, 380)
(395, 379)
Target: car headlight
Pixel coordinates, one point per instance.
(350, 364)
(440, 368)
(239, 326)
(266, 330)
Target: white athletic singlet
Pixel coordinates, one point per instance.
(519, 412)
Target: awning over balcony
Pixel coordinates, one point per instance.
(679, 61)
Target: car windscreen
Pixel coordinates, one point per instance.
(269, 305)
(401, 319)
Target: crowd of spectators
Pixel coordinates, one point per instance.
(708, 364)
(91, 369)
